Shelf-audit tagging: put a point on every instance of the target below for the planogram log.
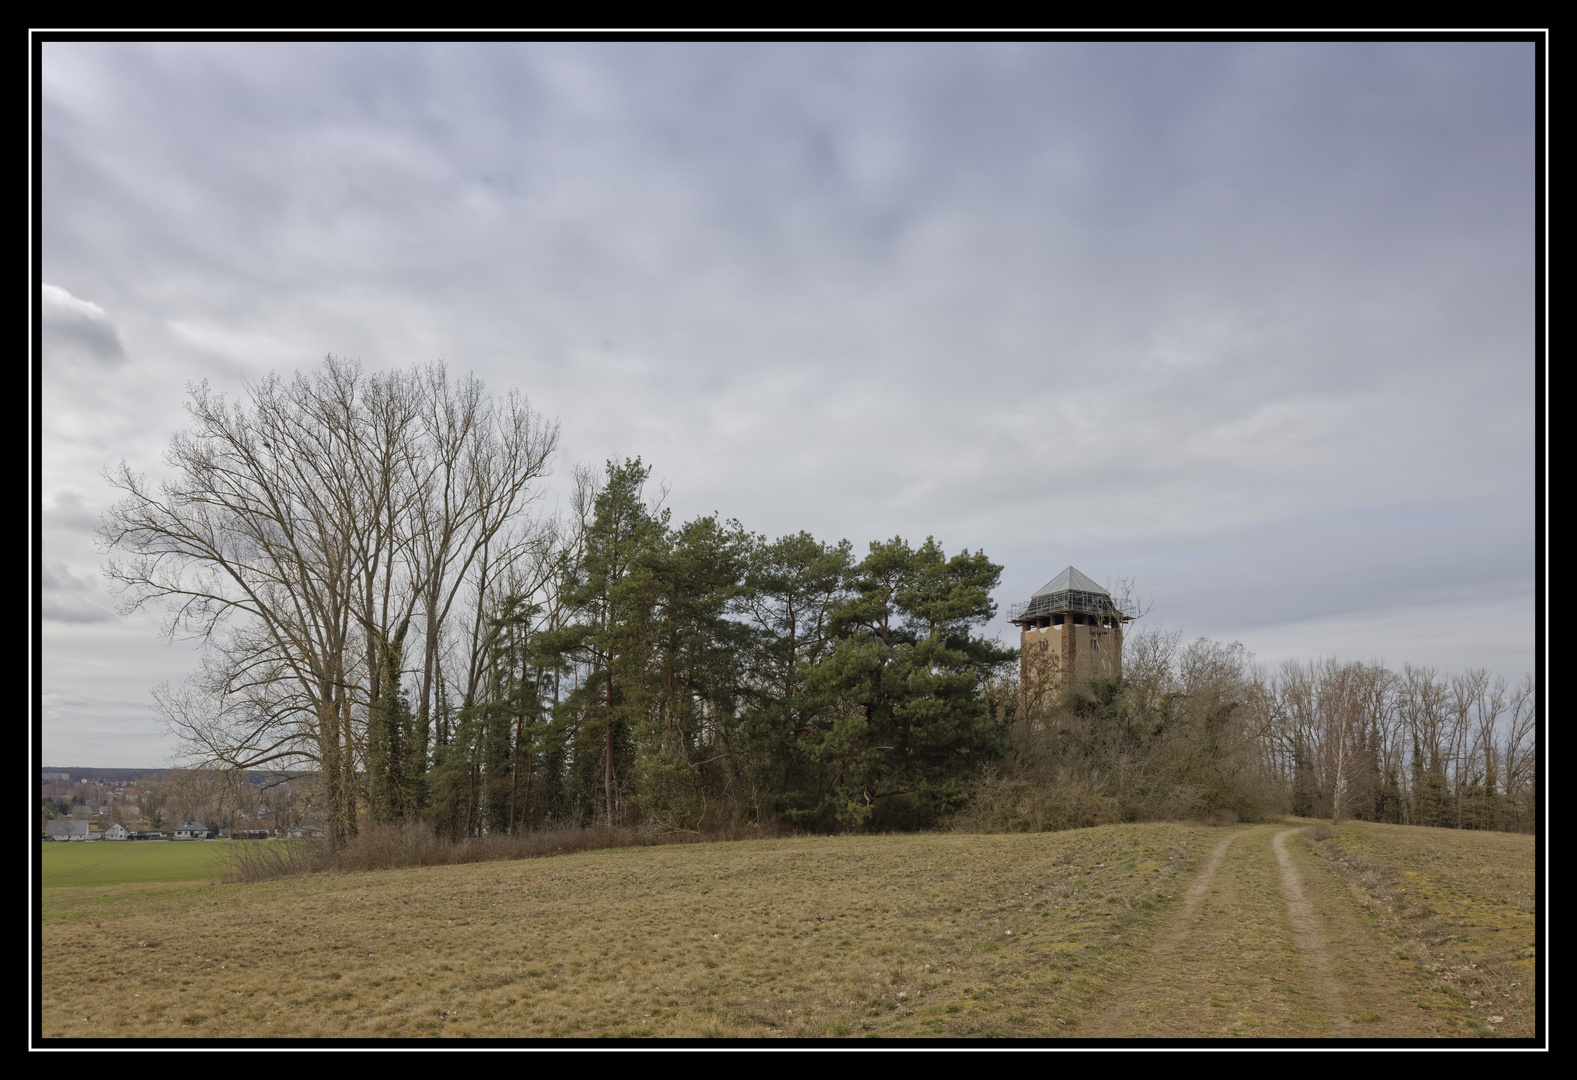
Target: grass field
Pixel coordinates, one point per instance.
(1459, 905)
(931, 935)
(74, 866)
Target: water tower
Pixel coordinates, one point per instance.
(1070, 629)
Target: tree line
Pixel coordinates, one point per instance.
(388, 605)
(1198, 730)
(385, 604)
(1415, 746)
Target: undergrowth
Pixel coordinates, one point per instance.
(379, 846)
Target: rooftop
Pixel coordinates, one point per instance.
(1071, 590)
(1070, 578)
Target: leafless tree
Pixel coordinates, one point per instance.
(1517, 754)
(471, 484)
(298, 529)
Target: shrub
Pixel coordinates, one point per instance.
(392, 846)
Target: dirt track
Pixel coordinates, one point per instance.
(1268, 944)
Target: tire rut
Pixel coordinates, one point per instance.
(1203, 950)
(1196, 894)
(1182, 924)
(1307, 936)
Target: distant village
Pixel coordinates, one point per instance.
(171, 804)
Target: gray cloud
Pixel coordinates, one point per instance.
(75, 326)
(55, 575)
(71, 511)
(71, 597)
(68, 609)
(1252, 323)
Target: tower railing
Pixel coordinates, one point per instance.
(1072, 600)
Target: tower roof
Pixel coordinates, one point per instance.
(1072, 591)
(1070, 578)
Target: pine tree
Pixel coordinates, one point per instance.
(690, 699)
(901, 720)
(513, 715)
(614, 595)
(789, 594)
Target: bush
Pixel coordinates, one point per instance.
(1020, 803)
(1171, 740)
(262, 860)
(379, 846)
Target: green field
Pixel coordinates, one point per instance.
(132, 862)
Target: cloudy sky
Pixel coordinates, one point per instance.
(1249, 324)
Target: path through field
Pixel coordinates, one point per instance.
(1114, 932)
(1268, 944)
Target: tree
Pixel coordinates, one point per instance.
(468, 532)
(1517, 754)
(790, 590)
(692, 579)
(299, 531)
(901, 718)
(390, 733)
(611, 593)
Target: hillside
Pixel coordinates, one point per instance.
(1111, 932)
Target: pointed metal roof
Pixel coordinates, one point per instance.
(1069, 579)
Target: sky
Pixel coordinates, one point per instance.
(1250, 326)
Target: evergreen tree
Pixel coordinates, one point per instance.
(614, 595)
(691, 696)
(511, 716)
(789, 594)
(1305, 790)
(390, 739)
(901, 720)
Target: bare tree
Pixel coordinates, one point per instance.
(1519, 765)
(1350, 697)
(297, 532)
(471, 484)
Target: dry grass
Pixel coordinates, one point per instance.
(400, 846)
(1233, 969)
(1023, 935)
(848, 936)
(1271, 947)
(1460, 905)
